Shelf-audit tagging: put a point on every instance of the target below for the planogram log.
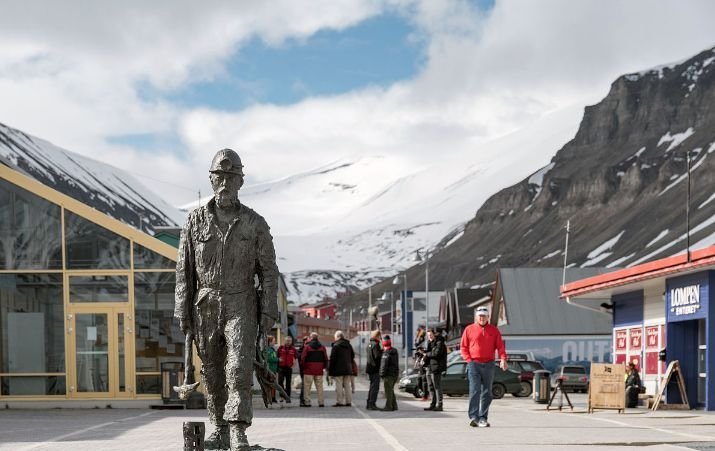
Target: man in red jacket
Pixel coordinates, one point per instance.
(314, 360)
(480, 341)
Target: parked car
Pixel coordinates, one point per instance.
(455, 382)
(408, 384)
(526, 369)
(573, 378)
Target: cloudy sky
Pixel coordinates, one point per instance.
(156, 87)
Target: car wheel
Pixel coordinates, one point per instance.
(525, 391)
(419, 393)
(498, 391)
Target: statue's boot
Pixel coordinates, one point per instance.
(219, 439)
(239, 440)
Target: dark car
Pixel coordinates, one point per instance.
(526, 370)
(408, 384)
(573, 378)
(455, 382)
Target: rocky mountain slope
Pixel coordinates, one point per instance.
(621, 181)
(104, 187)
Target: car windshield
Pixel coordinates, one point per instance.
(574, 370)
(531, 366)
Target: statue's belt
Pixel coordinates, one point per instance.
(219, 292)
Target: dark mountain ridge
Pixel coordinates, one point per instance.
(621, 182)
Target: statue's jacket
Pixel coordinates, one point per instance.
(231, 269)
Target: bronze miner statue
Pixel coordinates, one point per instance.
(226, 278)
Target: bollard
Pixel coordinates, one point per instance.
(194, 432)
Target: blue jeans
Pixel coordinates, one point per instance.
(481, 376)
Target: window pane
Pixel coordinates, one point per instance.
(122, 353)
(33, 385)
(457, 368)
(32, 330)
(30, 235)
(158, 337)
(147, 259)
(148, 384)
(99, 289)
(92, 350)
(90, 246)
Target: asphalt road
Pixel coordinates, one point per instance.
(517, 423)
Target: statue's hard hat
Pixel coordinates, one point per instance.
(227, 160)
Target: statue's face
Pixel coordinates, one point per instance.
(225, 186)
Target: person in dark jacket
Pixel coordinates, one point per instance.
(340, 369)
(420, 362)
(633, 386)
(436, 363)
(286, 358)
(315, 360)
(372, 368)
(299, 353)
(389, 371)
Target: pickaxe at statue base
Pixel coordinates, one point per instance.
(189, 385)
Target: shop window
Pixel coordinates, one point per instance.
(158, 337)
(91, 246)
(148, 259)
(148, 384)
(30, 235)
(99, 289)
(32, 338)
(32, 385)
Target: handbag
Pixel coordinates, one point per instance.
(355, 368)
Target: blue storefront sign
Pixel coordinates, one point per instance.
(686, 297)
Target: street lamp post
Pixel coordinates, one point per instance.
(392, 309)
(419, 258)
(396, 281)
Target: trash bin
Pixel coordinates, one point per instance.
(542, 386)
(172, 374)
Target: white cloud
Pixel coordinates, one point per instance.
(69, 73)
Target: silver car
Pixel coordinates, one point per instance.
(573, 378)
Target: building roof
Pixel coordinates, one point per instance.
(533, 307)
(700, 260)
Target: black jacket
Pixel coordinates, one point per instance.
(341, 359)
(390, 363)
(633, 379)
(436, 355)
(374, 356)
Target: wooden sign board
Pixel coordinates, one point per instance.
(673, 371)
(607, 388)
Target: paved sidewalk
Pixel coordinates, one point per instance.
(517, 423)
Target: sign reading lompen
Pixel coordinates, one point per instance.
(685, 300)
(607, 388)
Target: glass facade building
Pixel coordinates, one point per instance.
(86, 302)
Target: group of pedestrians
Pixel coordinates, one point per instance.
(314, 364)
(479, 343)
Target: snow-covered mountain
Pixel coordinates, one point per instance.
(621, 181)
(356, 220)
(619, 176)
(104, 187)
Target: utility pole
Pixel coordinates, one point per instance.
(687, 208)
(566, 250)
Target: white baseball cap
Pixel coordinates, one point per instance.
(482, 311)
